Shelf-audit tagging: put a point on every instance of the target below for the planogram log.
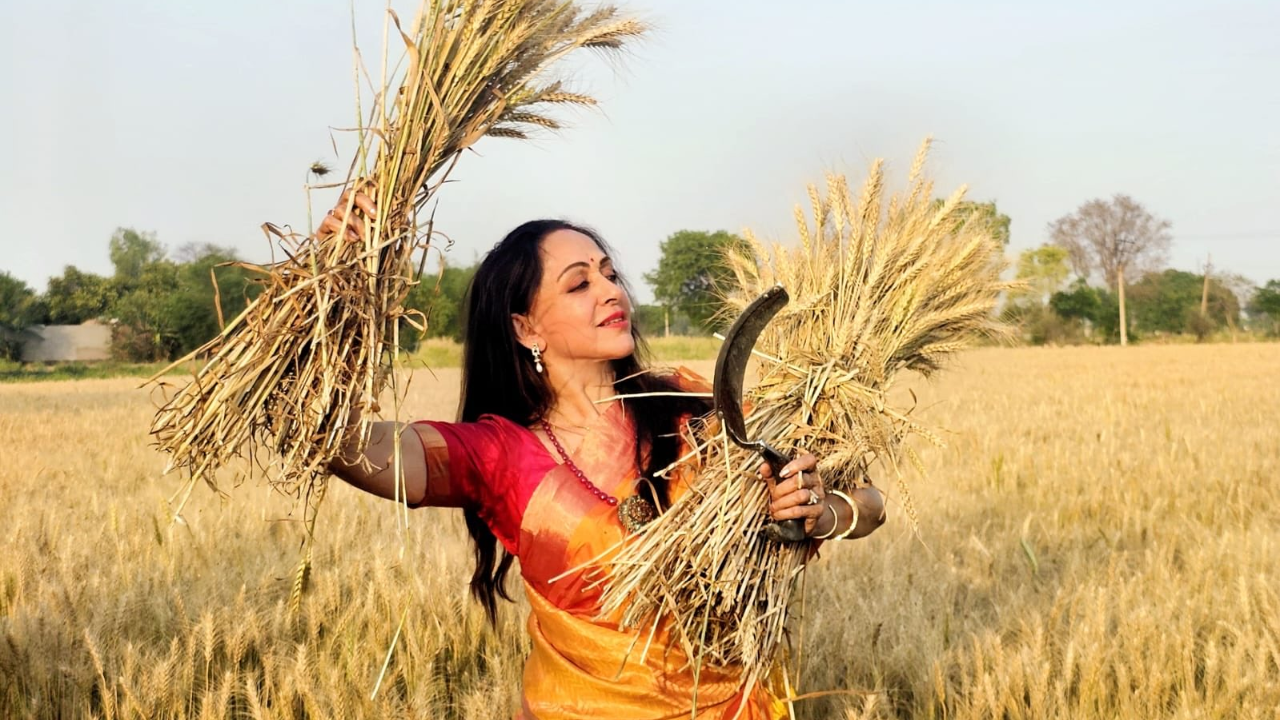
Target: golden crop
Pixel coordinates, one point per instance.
(1099, 539)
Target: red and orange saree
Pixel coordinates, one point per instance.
(580, 666)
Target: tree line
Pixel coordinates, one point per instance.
(159, 306)
(1100, 278)
(1117, 252)
(163, 305)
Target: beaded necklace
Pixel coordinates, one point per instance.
(635, 512)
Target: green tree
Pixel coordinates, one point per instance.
(18, 308)
(190, 312)
(143, 285)
(144, 328)
(1096, 310)
(986, 213)
(1037, 323)
(649, 319)
(1266, 302)
(132, 251)
(17, 301)
(1079, 302)
(659, 320)
(439, 297)
(1044, 270)
(1169, 302)
(75, 297)
(689, 271)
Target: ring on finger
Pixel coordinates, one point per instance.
(813, 498)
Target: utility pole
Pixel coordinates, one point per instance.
(1204, 294)
(1124, 321)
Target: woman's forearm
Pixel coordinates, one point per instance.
(865, 515)
(871, 512)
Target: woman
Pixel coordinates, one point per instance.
(543, 457)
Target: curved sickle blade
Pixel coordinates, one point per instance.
(731, 368)
(735, 353)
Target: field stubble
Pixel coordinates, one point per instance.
(1097, 540)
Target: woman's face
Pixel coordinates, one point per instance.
(579, 312)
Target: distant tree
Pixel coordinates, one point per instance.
(1243, 288)
(689, 271)
(1095, 308)
(656, 320)
(439, 296)
(75, 297)
(1266, 302)
(1037, 323)
(1079, 302)
(1044, 270)
(132, 251)
(987, 214)
(166, 308)
(649, 319)
(1116, 237)
(195, 252)
(143, 284)
(191, 310)
(18, 309)
(144, 330)
(16, 302)
(1169, 302)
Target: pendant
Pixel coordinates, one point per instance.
(635, 512)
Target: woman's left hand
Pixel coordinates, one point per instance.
(797, 493)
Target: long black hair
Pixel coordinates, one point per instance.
(498, 378)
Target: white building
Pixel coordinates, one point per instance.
(67, 343)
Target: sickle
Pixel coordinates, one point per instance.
(731, 368)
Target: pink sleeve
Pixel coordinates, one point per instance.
(480, 466)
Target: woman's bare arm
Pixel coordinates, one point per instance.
(871, 511)
(374, 470)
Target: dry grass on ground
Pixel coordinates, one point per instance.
(1099, 540)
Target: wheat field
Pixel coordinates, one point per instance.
(1099, 539)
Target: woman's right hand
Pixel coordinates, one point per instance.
(338, 221)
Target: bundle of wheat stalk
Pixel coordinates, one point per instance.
(318, 343)
(875, 291)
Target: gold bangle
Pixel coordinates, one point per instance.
(853, 508)
(835, 522)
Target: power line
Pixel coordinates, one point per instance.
(1273, 235)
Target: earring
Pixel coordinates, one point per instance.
(537, 358)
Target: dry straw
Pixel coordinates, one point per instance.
(875, 291)
(318, 343)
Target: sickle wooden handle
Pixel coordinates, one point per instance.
(790, 531)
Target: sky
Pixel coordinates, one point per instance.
(197, 121)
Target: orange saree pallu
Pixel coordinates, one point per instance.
(580, 666)
(577, 670)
